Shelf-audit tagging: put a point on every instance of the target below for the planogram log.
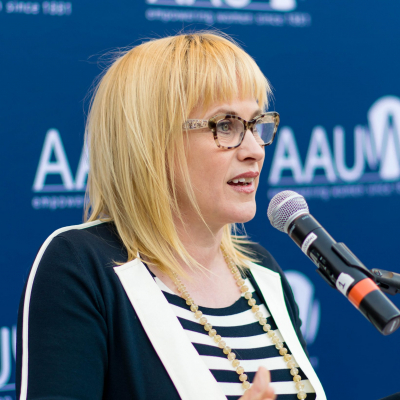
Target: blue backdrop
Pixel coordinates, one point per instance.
(334, 67)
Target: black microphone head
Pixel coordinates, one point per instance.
(284, 207)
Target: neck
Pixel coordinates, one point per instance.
(202, 243)
(214, 284)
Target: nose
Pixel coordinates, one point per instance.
(250, 149)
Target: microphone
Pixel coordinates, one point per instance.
(341, 269)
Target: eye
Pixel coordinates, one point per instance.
(224, 126)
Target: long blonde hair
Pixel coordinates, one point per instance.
(136, 144)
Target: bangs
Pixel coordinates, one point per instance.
(218, 70)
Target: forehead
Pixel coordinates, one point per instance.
(245, 108)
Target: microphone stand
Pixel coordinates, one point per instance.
(387, 281)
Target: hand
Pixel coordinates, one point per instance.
(261, 388)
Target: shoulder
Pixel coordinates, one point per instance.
(263, 257)
(96, 240)
(78, 254)
(75, 262)
(86, 234)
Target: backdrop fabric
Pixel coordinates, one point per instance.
(334, 67)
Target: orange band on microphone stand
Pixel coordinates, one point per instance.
(360, 290)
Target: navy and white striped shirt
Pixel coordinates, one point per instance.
(241, 331)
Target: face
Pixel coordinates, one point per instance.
(224, 181)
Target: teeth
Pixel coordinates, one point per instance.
(242, 180)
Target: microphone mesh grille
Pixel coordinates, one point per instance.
(284, 207)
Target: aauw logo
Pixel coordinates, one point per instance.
(8, 357)
(376, 151)
(271, 5)
(54, 162)
(55, 185)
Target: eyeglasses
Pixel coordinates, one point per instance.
(229, 130)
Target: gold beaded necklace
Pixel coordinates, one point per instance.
(259, 316)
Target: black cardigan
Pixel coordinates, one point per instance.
(85, 339)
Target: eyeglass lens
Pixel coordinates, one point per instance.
(230, 131)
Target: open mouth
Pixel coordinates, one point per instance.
(241, 182)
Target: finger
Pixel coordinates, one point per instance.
(256, 389)
(261, 389)
(261, 380)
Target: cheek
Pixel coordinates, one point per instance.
(207, 174)
(260, 165)
(261, 162)
(207, 165)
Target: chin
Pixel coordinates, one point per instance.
(245, 214)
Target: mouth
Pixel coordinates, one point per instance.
(241, 182)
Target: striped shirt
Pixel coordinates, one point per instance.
(242, 332)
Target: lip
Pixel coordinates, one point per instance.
(244, 189)
(249, 174)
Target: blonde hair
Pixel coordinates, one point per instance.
(136, 144)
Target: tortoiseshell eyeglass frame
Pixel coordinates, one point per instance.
(211, 123)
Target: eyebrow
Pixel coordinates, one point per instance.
(231, 112)
(258, 112)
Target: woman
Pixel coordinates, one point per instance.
(155, 296)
